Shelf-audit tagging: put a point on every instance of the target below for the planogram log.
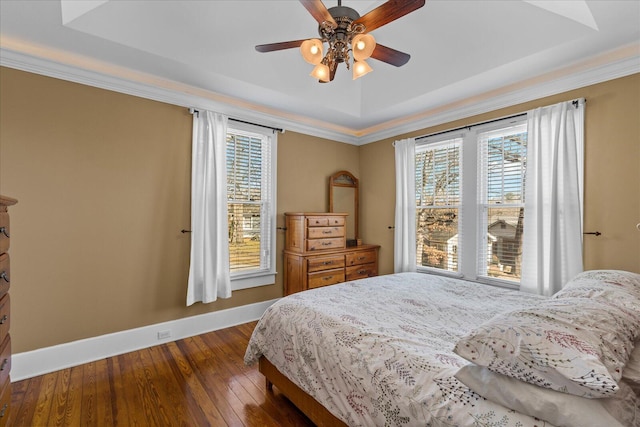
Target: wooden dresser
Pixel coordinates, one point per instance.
(5, 339)
(316, 253)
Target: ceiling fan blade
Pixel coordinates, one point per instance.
(278, 46)
(319, 11)
(388, 12)
(390, 56)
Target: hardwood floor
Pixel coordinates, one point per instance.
(198, 381)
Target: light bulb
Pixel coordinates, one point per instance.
(311, 51)
(363, 46)
(360, 68)
(321, 72)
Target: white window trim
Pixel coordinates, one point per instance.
(253, 279)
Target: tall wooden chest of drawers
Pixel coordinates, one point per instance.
(316, 253)
(5, 339)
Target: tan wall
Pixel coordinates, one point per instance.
(103, 183)
(612, 175)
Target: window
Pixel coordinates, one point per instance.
(502, 158)
(470, 201)
(250, 160)
(438, 195)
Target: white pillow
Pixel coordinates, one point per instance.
(560, 409)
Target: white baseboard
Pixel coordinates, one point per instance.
(49, 359)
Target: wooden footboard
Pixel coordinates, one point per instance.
(307, 404)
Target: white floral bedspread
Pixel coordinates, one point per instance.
(378, 351)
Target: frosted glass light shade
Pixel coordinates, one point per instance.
(311, 51)
(321, 72)
(362, 46)
(360, 68)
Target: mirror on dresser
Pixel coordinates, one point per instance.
(343, 197)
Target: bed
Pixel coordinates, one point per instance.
(395, 350)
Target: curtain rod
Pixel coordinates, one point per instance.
(575, 103)
(196, 111)
(468, 127)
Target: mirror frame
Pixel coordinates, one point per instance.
(346, 179)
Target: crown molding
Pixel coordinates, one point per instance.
(610, 65)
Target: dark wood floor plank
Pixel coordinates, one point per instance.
(88, 407)
(233, 343)
(132, 401)
(165, 386)
(213, 380)
(44, 399)
(104, 395)
(197, 381)
(213, 412)
(250, 414)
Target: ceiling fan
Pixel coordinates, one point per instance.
(346, 32)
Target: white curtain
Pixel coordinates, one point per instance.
(552, 240)
(209, 276)
(404, 250)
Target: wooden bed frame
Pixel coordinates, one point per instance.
(307, 404)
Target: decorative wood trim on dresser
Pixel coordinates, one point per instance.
(5, 338)
(316, 253)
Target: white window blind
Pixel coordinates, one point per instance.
(250, 202)
(438, 196)
(502, 164)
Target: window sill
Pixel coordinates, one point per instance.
(439, 272)
(482, 280)
(252, 281)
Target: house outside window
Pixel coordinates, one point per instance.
(250, 158)
(470, 202)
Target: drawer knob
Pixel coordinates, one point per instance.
(4, 231)
(327, 263)
(4, 364)
(361, 258)
(326, 232)
(4, 276)
(326, 243)
(3, 319)
(324, 278)
(362, 271)
(3, 410)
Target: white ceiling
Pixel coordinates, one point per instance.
(465, 55)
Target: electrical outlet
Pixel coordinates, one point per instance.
(163, 335)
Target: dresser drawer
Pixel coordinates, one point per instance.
(320, 244)
(5, 274)
(324, 232)
(364, 257)
(325, 263)
(4, 232)
(361, 271)
(325, 278)
(5, 360)
(4, 317)
(5, 400)
(325, 221)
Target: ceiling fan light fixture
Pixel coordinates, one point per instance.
(311, 51)
(321, 72)
(363, 46)
(360, 68)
